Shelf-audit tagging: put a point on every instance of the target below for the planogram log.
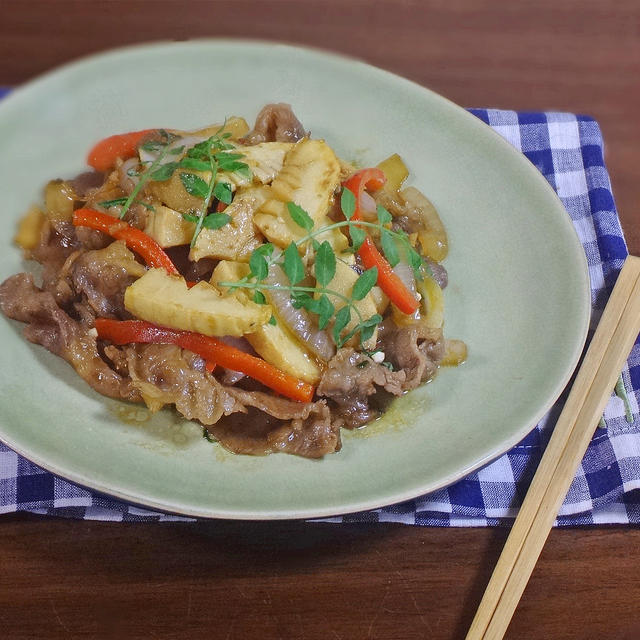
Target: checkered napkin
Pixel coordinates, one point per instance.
(568, 150)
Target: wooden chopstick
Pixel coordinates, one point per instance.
(609, 348)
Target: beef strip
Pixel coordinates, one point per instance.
(274, 425)
(84, 183)
(49, 326)
(275, 123)
(415, 349)
(352, 381)
(250, 422)
(164, 374)
(439, 273)
(100, 277)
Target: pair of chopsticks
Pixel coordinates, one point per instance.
(611, 344)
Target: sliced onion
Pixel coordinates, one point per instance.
(298, 320)
(404, 271)
(368, 208)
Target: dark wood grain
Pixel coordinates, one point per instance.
(68, 579)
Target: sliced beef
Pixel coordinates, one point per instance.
(439, 273)
(100, 277)
(164, 374)
(353, 381)
(190, 270)
(49, 326)
(56, 244)
(405, 217)
(250, 422)
(303, 429)
(276, 123)
(84, 183)
(415, 349)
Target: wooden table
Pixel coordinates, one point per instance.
(291, 580)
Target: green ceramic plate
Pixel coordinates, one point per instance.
(518, 296)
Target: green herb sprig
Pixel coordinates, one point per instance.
(316, 299)
(154, 171)
(212, 155)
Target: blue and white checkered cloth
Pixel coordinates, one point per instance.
(568, 150)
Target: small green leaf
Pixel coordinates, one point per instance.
(364, 283)
(116, 202)
(195, 164)
(366, 333)
(201, 149)
(415, 260)
(258, 265)
(231, 165)
(292, 265)
(315, 244)
(216, 220)
(342, 320)
(194, 185)
(244, 171)
(366, 329)
(223, 156)
(301, 300)
(358, 236)
(223, 192)
(152, 145)
(265, 249)
(348, 203)
(176, 151)
(164, 172)
(383, 215)
(325, 311)
(190, 217)
(325, 265)
(389, 248)
(300, 216)
(273, 321)
(258, 297)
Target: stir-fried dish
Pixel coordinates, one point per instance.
(251, 278)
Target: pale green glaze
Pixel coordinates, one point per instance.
(519, 291)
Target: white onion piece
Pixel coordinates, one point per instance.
(298, 320)
(368, 208)
(404, 271)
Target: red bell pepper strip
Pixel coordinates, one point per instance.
(104, 154)
(150, 251)
(388, 281)
(211, 349)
